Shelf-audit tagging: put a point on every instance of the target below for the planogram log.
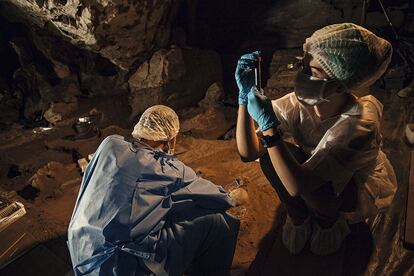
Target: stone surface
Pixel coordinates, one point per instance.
(50, 179)
(231, 134)
(122, 31)
(164, 66)
(61, 70)
(9, 114)
(282, 72)
(40, 67)
(60, 111)
(33, 90)
(214, 96)
(83, 163)
(210, 124)
(93, 74)
(10, 108)
(175, 77)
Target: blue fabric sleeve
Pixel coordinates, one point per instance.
(203, 192)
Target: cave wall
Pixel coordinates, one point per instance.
(124, 32)
(169, 52)
(43, 68)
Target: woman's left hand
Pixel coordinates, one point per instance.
(245, 75)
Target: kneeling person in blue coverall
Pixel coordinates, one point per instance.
(140, 211)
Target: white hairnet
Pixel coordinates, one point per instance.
(157, 123)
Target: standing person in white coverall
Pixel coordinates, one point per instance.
(337, 159)
(140, 211)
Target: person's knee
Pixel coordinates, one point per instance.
(232, 222)
(225, 223)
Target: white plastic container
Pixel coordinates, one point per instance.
(10, 214)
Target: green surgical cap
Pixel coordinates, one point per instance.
(350, 54)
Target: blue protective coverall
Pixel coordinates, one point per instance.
(141, 211)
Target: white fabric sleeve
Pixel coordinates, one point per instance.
(350, 145)
(286, 109)
(203, 192)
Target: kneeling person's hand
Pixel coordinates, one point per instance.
(261, 110)
(239, 196)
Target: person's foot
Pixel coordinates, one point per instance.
(294, 237)
(325, 241)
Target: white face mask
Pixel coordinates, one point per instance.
(310, 90)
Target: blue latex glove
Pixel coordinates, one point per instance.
(245, 75)
(261, 110)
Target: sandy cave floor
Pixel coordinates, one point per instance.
(371, 249)
(49, 213)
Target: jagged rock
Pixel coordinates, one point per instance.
(10, 108)
(83, 146)
(99, 85)
(211, 124)
(67, 90)
(61, 70)
(9, 114)
(164, 66)
(52, 178)
(409, 133)
(60, 111)
(93, 74)
(122, 31)
(214, 96)
(40, 80)
(29, 86)
(13, 171)
(175, 77)
(83, 163)
(231, 134)
(282, 59)
(282, 72)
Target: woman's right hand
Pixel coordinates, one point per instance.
(245, 75)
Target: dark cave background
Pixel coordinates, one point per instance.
(111, 59)
(60, 52)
